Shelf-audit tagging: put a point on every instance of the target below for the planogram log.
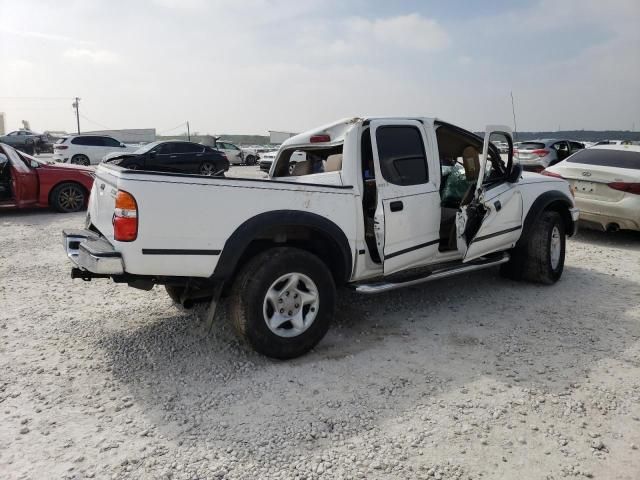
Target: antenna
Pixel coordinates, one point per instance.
(513, 109)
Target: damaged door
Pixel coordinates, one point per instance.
(492, 220)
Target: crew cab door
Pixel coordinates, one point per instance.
(407, 218)
(492, 220)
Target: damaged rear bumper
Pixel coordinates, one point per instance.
(91, 254)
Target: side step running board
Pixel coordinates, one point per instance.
(380, 287)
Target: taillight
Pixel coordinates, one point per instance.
(125, 217)
(626, 187)
(551, 174)
(541, 152)
(60, 147)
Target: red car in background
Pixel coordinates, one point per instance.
(27, 182)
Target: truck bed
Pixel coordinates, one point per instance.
(184, 221)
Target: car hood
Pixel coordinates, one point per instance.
(114, 156)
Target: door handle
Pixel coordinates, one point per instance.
(396, 206)
(498, 205)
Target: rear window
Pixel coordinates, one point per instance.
(530, 146)
(61, 140)
(607, 158)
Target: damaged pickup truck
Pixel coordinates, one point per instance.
(378, 204)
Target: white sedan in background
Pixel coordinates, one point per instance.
(606, 182)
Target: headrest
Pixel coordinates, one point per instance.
(471, 162)
(333, 163)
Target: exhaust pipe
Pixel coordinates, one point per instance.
(613, 227)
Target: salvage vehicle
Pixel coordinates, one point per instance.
(173, 156)
(380, 204)
(536, 155)
(25, 140)
(27, 182)
(606, 181)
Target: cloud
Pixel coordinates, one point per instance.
(94, 56)
(407, 31)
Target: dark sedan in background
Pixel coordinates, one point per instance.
(173, 156)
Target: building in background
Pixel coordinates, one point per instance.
(279, 137)
(2, 127)
(131, 135)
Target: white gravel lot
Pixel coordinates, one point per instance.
(473, 377)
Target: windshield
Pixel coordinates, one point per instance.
(530, 145)
(146, 148)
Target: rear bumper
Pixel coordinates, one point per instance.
(623, 214)
(91, 252)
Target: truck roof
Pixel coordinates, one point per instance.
(337, 130)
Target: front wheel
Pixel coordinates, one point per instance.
(541, 258)
(250, 160)
(282, 302)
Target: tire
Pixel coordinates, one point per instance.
(290, 275)
(207, 169)
(68, 197)
(174, 292)
(541, 258)
(250, 160)
(80, 160)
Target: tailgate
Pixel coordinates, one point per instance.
(102, 202)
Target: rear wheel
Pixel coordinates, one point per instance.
(541, 258)
(282, 302)
(208, 169)
(68, 197)
(80, 160)
(250, 160)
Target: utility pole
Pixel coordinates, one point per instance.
(515, 125)
(188, 131)
(76, 105)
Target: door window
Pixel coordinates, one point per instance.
(165, 149)
(403, 160)
(187, 148)
(110, 142)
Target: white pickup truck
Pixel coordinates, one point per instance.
(379, 204)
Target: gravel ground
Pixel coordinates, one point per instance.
(472, 377)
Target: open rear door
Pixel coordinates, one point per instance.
(492, 220)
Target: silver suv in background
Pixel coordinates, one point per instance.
(536, 155)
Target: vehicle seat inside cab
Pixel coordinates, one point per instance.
(5, 178)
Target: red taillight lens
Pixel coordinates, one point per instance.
(125, 217)
(319, 138)
(551, 174)
(60, 147)
(626, 187)
(541, 152)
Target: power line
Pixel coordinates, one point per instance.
(182, 124)
(35, 98)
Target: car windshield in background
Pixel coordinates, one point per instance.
(607, 158)
(146, 148)
(530, 146)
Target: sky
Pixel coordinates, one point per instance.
(246, 67)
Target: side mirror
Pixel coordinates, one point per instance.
(122, 145)
(33, 164)
(515, 173)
